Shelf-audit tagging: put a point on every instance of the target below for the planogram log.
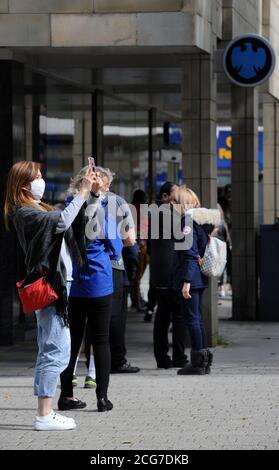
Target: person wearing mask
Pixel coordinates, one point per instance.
(119, 209)
(161, 276)
(91, 297)
(197, 223)
(49, 244)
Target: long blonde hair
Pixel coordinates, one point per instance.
(19, 177)
(186, 199)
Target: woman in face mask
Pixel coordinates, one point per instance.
(37, 188)
(49, 244)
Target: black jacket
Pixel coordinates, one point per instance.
(161, 246)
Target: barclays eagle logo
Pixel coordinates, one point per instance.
(248, 60)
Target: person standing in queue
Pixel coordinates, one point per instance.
(91, 297)
(197, 223)
(49, 244)
(161, 276)
(117, 207)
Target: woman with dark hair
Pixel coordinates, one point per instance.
(49, 245)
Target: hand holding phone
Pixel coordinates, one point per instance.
(91, 163)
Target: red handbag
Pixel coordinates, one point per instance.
(35, 292)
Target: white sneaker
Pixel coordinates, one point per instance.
(53, 422)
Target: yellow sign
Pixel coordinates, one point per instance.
(226, 152)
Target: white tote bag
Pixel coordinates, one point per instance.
(214, 260)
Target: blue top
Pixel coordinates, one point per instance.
(96, 279)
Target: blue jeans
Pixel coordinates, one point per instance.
(192, 309)
(54, 346)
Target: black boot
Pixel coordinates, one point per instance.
(209, 361)
(198, 364)
(103, 404)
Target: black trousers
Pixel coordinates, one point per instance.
(97, 311)
(118, 320)
(87, 345)
(151, 297)
(169, 309)
(131, 261)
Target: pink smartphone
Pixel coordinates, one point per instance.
(91, 163)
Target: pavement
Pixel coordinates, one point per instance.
(236, 407)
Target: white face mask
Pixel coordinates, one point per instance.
(37, 188)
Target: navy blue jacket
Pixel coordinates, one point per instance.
(186, 266)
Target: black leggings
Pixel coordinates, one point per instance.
(97, 311)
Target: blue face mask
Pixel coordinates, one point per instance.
(37, 188)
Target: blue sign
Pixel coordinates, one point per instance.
(172, 134)
(249, 60)
(224, 148)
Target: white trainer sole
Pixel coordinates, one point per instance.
(44, 427)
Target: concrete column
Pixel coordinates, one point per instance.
(199, 152)
(12, 150)
(79, 156)
(271, 159)
(244, 202)
(151, 152)
(97, 126)
(87, 123)
(28, 127)
(36, 137)
(38, 98)
(78, 144)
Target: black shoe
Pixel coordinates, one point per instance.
(125, 369)
(148, 316)
(180, 363)
(103, 404)
(67, 404)
(165, 363)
